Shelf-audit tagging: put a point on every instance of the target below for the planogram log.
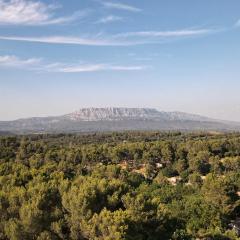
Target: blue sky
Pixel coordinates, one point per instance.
(58, 56)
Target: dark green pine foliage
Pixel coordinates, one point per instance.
(119, 186)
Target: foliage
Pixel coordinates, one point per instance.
(119, 186)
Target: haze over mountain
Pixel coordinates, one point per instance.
(116, 119)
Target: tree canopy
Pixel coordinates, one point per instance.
(114, 186)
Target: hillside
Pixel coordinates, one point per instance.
(116, 119)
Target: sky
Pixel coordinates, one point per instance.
(59, 56)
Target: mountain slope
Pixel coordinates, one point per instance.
(98, 114)
(116, 119)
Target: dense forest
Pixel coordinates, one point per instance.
(114, 186)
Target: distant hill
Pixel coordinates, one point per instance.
(116, 119)
(4, 133)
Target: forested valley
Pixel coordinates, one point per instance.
(114, 186)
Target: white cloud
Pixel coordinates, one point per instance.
(166, 34)
(110, 18)
(93, 41)
(67, 19)
(78, 68)
(24, 12)
(13, 61)
(35, 64)
(127, 68)
(237, 24)
(94, 68)
(122, 39)
(121, 6)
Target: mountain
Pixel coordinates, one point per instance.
(116, 119)
(110, 114)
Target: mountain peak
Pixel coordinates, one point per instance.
(121, 113)
(112, 113)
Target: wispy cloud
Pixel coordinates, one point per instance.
(25, 12)
(71, 40)
(35, 64)
(122, 39)
(121, 6)
(109, 19)
(95, 68)
(13, 61)
(237, 24)
(166, 34)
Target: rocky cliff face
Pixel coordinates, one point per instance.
(109, 114)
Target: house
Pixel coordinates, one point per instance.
(159, 165)
(175, 180)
